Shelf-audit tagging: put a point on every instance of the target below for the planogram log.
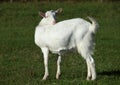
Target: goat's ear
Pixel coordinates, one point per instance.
(42, 14)
(59, 10)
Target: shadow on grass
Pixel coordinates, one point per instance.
(110, 73)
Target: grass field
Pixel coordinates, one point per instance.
(21, 61)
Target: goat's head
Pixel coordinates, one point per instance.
(49, 17)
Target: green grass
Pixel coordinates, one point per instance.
(21, 61)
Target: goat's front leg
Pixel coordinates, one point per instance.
(45, 55)
(58, 67)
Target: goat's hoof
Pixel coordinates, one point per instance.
(88, 78)
(57, 76)
(93, 79)
(45, 77)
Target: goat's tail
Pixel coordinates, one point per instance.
(94, 26)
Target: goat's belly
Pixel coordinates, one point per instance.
(62, 50)
(61, 46)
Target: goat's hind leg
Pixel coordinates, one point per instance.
(91, 68)
(89, 74)
(89, 60)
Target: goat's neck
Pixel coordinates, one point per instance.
(47, 21)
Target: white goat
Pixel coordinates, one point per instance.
(66, 35)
